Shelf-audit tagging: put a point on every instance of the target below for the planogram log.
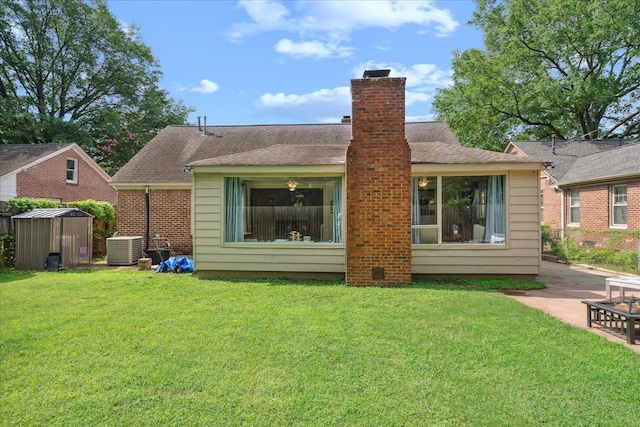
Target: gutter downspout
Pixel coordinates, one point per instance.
(561, 213)
(148, 210)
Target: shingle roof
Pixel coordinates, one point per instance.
(567, 153)
(282, 154)
(615, 163)
(436, 152)
(15, 156)
(164, 157)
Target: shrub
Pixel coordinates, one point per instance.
(104, 222)
(104, 216)
(7, 250)
(25, 204)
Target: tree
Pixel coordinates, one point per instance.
(561, 68)
(71, 73)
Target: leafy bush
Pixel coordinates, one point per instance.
(25, 204)
(104, 222)
(7, 250)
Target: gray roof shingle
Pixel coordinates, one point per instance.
(583, 160)
(615, 163)
(162, 160)
(15, 156)
(164, 157)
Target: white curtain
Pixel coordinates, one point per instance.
(415, 210)
(337, 211)
(234, 208)
(496, 221)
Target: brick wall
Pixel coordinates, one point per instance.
(633, 204)
(378, 183)
(595, 206)
(170, 216)
(48, 180)
(551, 204)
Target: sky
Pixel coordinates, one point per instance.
(287, 62)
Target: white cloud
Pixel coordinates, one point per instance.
(341, 17)
(424, 118)
(329, 105)
(313, 49)
(206, 87)
(324, 105)
(415, 97)
(420, 77)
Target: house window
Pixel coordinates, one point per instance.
(458, 209)
(574, 207)
(619, 206)
(283, 209)
(72, 171)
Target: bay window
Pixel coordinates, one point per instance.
(458, 209)
(279, 209)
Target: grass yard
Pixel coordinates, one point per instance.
(136, 348)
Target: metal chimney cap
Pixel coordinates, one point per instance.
(374, 74)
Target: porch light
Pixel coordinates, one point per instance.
(423, 182)
(292, 184)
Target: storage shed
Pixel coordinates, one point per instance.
(39, 232)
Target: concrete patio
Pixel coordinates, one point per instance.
(567, 287)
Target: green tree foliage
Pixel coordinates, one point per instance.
(25, 204)
(561, 68)
(104, 216)
(71, 73)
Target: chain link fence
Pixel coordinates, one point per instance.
(616, 250)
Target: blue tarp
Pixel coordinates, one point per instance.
(176, 265)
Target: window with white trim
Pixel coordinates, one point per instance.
(618, 206)
(574, 207)
(72, 171)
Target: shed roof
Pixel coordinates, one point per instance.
(53, 213)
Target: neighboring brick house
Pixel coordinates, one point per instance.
(375, 201)
(62, 172)
(591, 184)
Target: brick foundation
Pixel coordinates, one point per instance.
(378, 186)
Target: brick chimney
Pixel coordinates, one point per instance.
(378, 182)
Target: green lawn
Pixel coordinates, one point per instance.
(137, 348)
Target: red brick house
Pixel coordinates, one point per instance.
(372, 200)
(592, 184)
(62, 172)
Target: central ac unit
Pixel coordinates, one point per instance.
(124, 250)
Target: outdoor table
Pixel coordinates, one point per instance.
(622, 282)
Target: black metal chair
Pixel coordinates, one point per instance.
(53, 262)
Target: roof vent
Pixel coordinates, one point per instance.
(374, 74)
(346, 119)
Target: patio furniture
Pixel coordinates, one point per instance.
(620, 315)
(622, 282)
